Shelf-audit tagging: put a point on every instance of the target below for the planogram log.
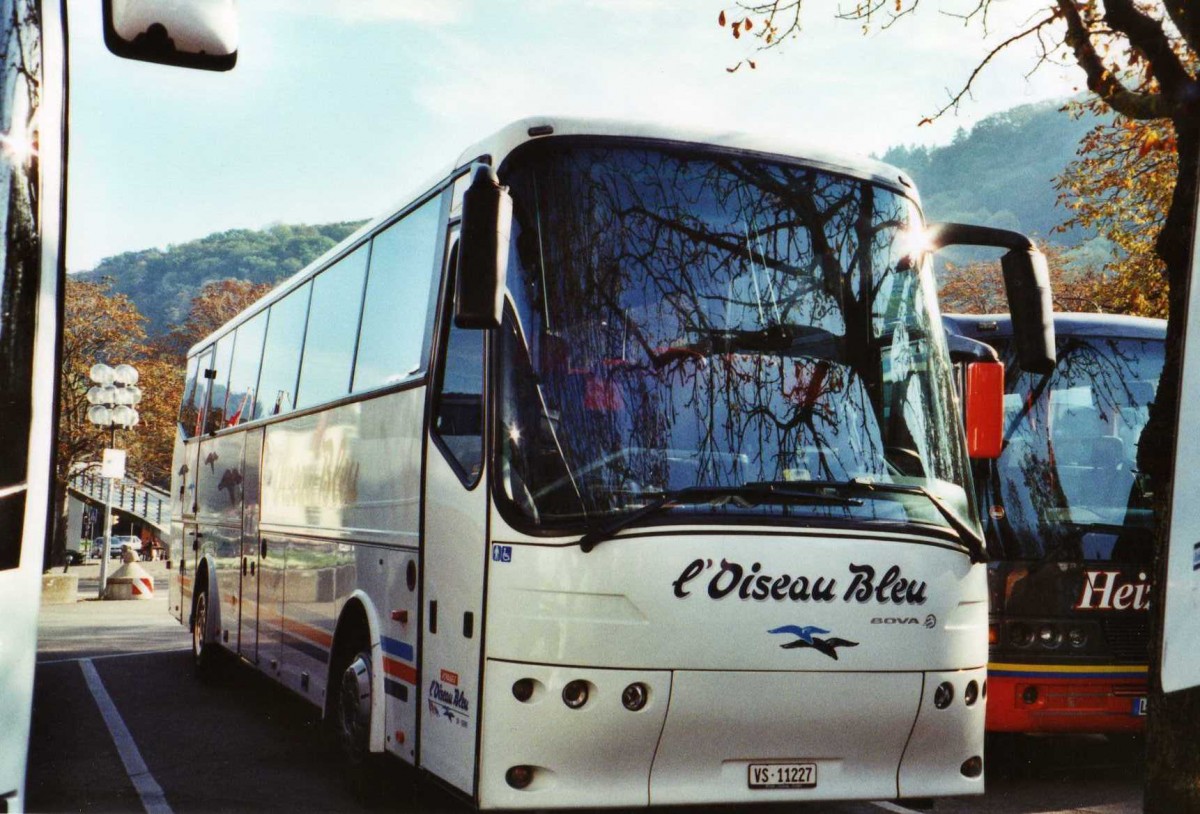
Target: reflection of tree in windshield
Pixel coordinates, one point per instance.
(1067, 478)
(684, 320)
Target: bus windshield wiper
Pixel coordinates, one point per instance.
(970, 538)
(746, 495)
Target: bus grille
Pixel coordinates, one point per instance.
(1128, 637)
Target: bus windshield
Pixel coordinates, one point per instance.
(686, 318)
(1066, 485)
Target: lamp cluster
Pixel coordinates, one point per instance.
(114, 396)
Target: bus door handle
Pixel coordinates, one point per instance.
(245, 566)
(262, 549)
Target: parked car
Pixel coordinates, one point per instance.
(117, 541)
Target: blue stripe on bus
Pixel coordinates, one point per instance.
(396, 689)
(401, 650)
(1057, 675)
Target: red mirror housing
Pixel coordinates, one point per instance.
(985, 409)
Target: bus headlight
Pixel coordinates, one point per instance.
(943, 695)
(522, 689)
(634, 697)
(1077, 636)
(1020, 635)
(1049, 636)
(575, 694)
(971, 695)
(519, 777)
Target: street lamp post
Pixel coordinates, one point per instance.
(112, 399)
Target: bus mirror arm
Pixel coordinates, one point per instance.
(1026, 285)
(482, 251)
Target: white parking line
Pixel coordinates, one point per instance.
(115, 655)
(147, 787)
(892, 807)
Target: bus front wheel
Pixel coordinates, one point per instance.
(352, 711)
(204, 654)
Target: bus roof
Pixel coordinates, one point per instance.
(498, 145)
(986, 326)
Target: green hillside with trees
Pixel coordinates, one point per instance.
(162, 282)
(1002, 172)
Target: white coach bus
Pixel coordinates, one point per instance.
(637, 480)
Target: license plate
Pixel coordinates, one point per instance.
(783, 775)
(1139, 706)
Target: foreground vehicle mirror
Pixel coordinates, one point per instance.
(186, 33)
(985, 409)
(1026, 284)
(482, 251)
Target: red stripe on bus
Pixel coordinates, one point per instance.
(306, 631)
(398, 669)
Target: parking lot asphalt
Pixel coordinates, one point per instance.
(244, 744)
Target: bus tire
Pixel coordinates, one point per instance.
(350, 723)
(204, 651)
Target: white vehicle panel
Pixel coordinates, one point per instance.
(853, 726)
(352, 471)
(598, 755)
(813, 601)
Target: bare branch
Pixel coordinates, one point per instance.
(966, 88)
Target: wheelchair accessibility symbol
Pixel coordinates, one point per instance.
(502, 553)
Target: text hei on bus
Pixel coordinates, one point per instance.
(1069, 526)
(655, 502)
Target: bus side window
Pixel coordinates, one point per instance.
(397, 308)
(458, 399)
(219, 387)
(195, 394)
(281, 354)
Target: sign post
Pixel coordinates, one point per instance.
(112, 469)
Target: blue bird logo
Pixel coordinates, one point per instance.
(805, 633)
(810, 636)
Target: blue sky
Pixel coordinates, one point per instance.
(338, 108)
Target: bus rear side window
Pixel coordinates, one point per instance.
(396, 311)
(332, 329)
(243, 372)
(194, 391)
(218, 403)
(281, 354)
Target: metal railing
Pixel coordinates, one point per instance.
(147, 502)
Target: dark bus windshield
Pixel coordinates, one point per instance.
(1066, 485)
(690, 319)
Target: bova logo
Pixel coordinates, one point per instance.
(807, 636)
(930, 621)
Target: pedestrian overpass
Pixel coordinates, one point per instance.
(137, 501)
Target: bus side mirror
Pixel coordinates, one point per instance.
(1027, 285)
(482, 251)
(985, 409)
(199, 34)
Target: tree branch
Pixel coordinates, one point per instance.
(1187, 19)
(966, 88)
(1102, 81)
(1147, 35)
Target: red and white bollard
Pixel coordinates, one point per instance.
(130, 581)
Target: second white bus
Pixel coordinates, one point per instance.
(636, 481)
